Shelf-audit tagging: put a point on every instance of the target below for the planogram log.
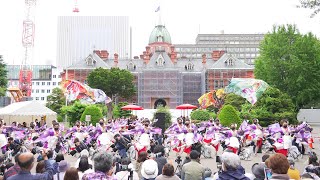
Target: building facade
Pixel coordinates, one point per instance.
(44, 79)
(79, 35)
(244, 47)
(162, 75)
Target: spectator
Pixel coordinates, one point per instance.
(13, 170)
(141, 158)
(313, 159)
(40, 168)
(279, 166)
(63, 166)
(231, 167)
(292, 171)
(26, 162)
(121, 145)
(79, 146)
(71, 174)
(83, 153)
(168, 173)
(59, 157)
(193, 170)
(84, 166)
(160, 159)
(125, 169)
(103, 167)
(149, 169)
(258, 171)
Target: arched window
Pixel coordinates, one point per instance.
(229, 62)
(131, 66)
(189, 66)
(160, 61)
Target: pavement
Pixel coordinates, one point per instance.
(247, 164)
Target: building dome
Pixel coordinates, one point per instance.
(160, 34)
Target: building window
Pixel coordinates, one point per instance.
(32, 91)
(48, 90)
(54, 76)
(32, 83)
(59, 76)
(37, 90)
(131, 66)
(229, 62)
(54, 83)
(42, 91)
(48, 83)
(37, 98)
(160, 61)
(37, 83)
(43, 83)
(190, 66)
(42, 98)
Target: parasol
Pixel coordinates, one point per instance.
(186, 106)
(132, 107)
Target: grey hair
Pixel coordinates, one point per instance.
(103, 161)
(230, 160)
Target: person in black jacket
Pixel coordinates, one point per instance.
(121, 145)
(79, 146)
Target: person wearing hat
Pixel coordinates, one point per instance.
(62, 168)
(193, 170)
(292, 171)
(149, 169)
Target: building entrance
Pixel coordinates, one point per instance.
(160, 102)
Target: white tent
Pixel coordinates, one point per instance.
(27, 112)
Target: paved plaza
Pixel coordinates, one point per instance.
(211, 163)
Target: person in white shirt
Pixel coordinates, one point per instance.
(84, 166)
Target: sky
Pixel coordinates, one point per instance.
(184, 19)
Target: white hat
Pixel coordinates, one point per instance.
(149, 169)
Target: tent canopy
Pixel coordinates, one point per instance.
(27, 108)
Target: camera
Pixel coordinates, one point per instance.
(219, 163)
(178, 160)
(156, 155)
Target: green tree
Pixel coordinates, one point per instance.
(168, 116)
(114, 82)
(310, 4)
(94, 112)
(74, 111)
(290, 61)
(118, 112)
(234, 100)
(56, 100)
(273, 105)
(200, 115)
(229, 115)
(3, 77)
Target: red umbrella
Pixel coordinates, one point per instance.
(131, 107)
(186, 106)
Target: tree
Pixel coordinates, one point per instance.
(310, 4)
(200, 115)
(56, 100)
(94, 112)
(290, 61)
(118, 112)
(3, 77)
(273, 105)
(234, 100)
(114, 82)
(229, 115)
(74, 111)
(168, 116)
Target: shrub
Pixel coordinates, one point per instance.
(200, 115)
(168, 116)
(73, 111)
(117, 112)
(229, 115)
(95, 113)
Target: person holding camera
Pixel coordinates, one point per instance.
(126, 171)
(80, 146)
(159, 157)
(121, 145)
(193, 170)
(26, 163)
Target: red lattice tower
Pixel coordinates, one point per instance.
(25, 75)
(75, 9)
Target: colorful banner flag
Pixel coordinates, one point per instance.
(215, 98)
(76, 90)
(248, 88)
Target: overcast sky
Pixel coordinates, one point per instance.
(183, 18)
